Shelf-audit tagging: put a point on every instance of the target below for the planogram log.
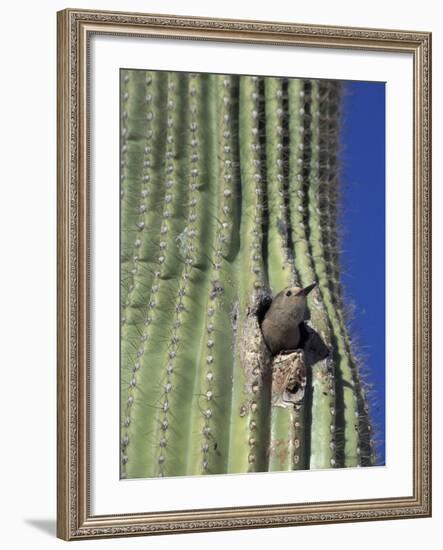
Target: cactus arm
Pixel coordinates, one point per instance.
(249, 423)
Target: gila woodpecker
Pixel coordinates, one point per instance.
(281, 324)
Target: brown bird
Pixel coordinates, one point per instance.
(281, 323)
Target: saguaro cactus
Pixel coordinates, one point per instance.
(228, 194)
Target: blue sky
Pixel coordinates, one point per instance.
(363, 244)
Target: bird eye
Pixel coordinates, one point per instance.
(288, 293)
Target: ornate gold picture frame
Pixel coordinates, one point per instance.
(76, 517)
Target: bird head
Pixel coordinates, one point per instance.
(293, 300)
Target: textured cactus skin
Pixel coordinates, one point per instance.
(229, 191)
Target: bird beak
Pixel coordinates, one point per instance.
(305, 291)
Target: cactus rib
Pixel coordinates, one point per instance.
(321, 444)
(364, 453)
(140, 196)
(213, 393)
(284, 429)
(204, 401)
(249, 399)
(150, 410)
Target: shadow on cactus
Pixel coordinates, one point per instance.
(235, 350)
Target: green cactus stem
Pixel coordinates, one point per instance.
(229, 193)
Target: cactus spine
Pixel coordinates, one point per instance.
(229, 192)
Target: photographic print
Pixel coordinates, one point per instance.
(252, 270)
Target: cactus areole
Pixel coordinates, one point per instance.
(232, 359)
